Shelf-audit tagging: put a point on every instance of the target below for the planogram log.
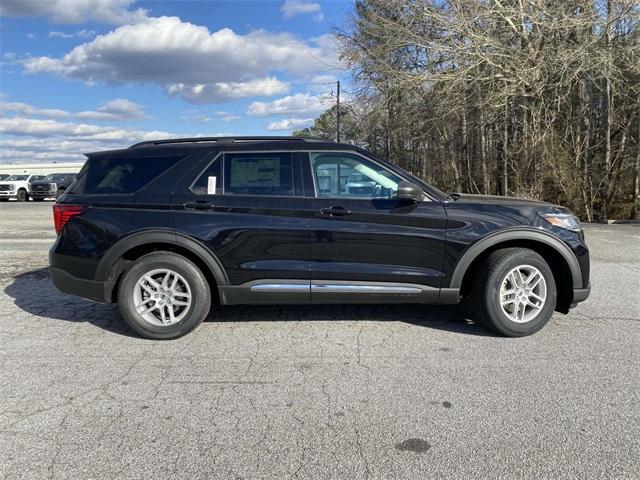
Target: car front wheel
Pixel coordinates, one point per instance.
(514, 292)
(22, 196)
(163, 296)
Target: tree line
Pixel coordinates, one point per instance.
(533, 98)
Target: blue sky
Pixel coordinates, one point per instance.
(85, 75)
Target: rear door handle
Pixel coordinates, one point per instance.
(198, 205)
(335, 211)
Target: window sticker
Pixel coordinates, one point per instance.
(211, 186)
(255, 172)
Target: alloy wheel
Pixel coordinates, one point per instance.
(162, 297)
(523, 293)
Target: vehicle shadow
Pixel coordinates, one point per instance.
(34, 293)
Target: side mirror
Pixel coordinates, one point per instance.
(409, 192)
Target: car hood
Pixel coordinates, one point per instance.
(497, 200)
(514, 202)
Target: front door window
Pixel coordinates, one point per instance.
(342, 175)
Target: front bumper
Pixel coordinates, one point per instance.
(580, 295)
(42, 194)
(8, 194)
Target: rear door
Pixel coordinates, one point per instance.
(365, 244)
(248, 209)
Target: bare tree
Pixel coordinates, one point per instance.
(533, 98)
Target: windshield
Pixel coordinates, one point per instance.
(17, 178)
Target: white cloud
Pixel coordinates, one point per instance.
(298, 104)
(116, 12)
(31, 36)
(118, 109)
(34, 140)
(190, 61)
(46, 127)
(26, 109)
(84, 33)
(208, 117)
(225, 91)
(290, 124)
(292, 8)
(228, 117)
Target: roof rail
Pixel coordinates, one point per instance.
(223, 140)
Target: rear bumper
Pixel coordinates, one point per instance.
(67, 283)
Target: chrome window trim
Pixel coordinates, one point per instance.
(428, 196)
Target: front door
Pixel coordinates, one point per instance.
(365, 245)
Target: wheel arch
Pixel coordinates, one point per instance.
(117, 259)
(559, 257)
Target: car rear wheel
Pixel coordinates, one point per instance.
(163, 296)
(514, 292)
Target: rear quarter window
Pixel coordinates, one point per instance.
(104, 175)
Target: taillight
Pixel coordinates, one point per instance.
(62, 213)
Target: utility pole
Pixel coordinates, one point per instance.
(338, 112)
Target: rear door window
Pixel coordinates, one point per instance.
(259, 173)
(210, 181)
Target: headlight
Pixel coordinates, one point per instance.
(52, 186)
(562, 220)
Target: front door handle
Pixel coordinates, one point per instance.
(198, 205)
(335, 211)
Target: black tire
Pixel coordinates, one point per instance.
(59, 192)
(22, 196)
(4, 199)
(200, 295)
(486, 292)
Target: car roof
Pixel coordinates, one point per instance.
(190, 145)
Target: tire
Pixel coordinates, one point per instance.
(59, 192)
(494, 281)
(190, 281)
(22, 196)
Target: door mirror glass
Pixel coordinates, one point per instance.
(409, 192)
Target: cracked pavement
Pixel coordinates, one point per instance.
(315, 392)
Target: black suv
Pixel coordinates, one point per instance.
(167, 227)
(52, 185)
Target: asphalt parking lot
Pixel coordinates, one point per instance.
(315, 392)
